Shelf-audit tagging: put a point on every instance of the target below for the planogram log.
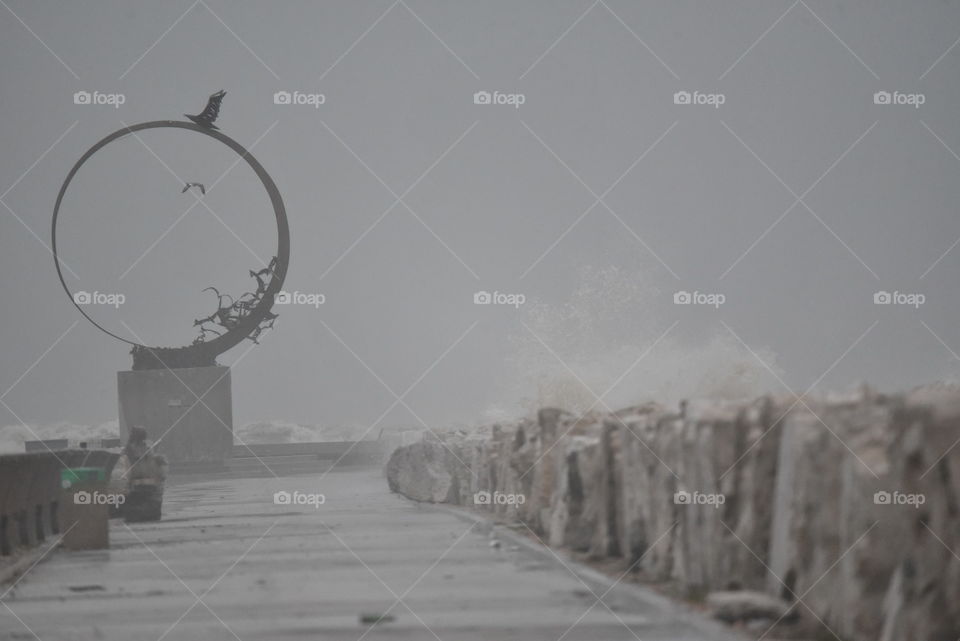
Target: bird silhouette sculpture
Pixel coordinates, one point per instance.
(203, 189)
(206, 117)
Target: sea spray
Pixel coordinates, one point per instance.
(612, 339)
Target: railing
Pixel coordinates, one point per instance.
(320, 449)
(65, 444)
(30, 493)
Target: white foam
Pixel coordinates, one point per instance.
(591, 340)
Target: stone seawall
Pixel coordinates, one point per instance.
(846, 509)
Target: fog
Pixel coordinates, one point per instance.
(587, 200)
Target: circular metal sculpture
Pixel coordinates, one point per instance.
(256, 310)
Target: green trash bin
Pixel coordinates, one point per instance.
(73, 475)
(85, 508)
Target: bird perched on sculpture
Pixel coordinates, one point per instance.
(206, 117)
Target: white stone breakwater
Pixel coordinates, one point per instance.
(845, 510)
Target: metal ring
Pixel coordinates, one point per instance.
(237, 334)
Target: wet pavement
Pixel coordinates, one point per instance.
(228, 561)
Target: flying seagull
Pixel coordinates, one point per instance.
(210, 112)
(203, 190)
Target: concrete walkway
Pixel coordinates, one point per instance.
(228, 563)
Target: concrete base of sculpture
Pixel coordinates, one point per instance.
(186, 430)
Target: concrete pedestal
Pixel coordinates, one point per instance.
(185, 430)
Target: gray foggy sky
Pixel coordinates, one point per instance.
(502, 204)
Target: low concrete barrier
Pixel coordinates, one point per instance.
(30, 493)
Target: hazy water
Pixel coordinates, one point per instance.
(12, 437)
